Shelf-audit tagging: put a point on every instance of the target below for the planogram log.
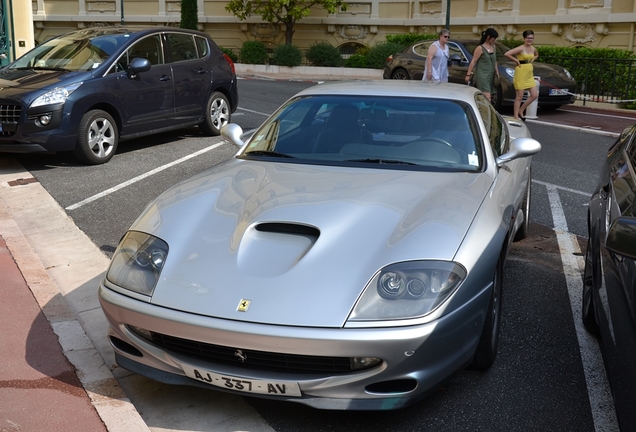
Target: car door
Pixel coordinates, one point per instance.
(189, 58)
(147, 97)
(458, 66)
(617, 314)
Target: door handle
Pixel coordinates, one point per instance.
(164, 78)
(202, 71)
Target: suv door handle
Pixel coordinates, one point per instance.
(164, 78)
(202, 71)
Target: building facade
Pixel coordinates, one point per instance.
(593, 23)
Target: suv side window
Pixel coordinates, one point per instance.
(496, 129)
(181, 47)
(148, 48)
(203, 47)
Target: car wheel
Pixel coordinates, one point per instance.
(217, 114)
(489, 341)
(400, 74)
(525, 208)
(496, 98)
(97, 138)
(589, 316)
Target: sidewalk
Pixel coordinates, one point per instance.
(39, 388)
(53, 378)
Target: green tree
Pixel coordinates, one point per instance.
(189, 12)
(281, 11)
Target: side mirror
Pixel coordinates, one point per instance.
(455, 59)
(621, 237)
(519, 148)
(232, 132)
(138, 65)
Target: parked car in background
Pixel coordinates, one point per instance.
(556, 86)
(609, 289)
(87, 90)
(350, 256)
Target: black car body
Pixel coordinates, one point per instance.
(609, 288)
(86, 90)
(556, 84)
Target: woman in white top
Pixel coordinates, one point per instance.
(436, 69)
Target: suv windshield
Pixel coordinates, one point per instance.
(408, 133)
(75, 52)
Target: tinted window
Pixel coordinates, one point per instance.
(148, 48)
(182, 47)
(387, 131)
(495, 128)
(203, 47)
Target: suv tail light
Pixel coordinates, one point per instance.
(230, 62)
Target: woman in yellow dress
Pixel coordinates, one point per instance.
(523, 80)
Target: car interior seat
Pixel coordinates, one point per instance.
(342, 127)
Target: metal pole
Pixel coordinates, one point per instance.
(122, 11)
(448, 14)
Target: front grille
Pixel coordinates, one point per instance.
(255, 360)
(9, 118)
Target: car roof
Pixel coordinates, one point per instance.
(93, 32)
(395, 88)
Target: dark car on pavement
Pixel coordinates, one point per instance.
(556, 84)
(86, 90)
(609, 287)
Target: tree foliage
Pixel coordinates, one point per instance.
(281, 11)
(189, 12)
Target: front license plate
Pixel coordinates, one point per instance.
(272, 388)
(558, 92)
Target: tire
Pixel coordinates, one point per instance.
(497, 98)
(98, 138)
(588, 311)
(525, 208)
(217, 114)
(400, 74)
(489, 341)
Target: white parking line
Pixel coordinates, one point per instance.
(599, 393)
(141, 177)
(563, 188)
(255, 112)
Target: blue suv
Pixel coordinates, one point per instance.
(87, 90)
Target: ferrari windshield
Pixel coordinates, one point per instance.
(400, 132)
(73, 52)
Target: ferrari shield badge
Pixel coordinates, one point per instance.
(244, 304)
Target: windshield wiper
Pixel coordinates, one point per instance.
(48, 68)
(268, 153)
(382, 161)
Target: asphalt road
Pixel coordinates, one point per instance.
(541, 379)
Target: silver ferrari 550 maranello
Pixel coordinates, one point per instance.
(349, 256)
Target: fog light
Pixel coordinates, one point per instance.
(358, 363)
(141, 332)
(44, 119)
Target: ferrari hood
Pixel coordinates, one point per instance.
(300, 242)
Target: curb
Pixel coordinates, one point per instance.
(72, 319)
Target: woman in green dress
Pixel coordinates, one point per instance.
(483, 67)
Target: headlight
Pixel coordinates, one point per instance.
(55, 96)
(510, 72)
(137, 262)
(567, 73)
(408, 290)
